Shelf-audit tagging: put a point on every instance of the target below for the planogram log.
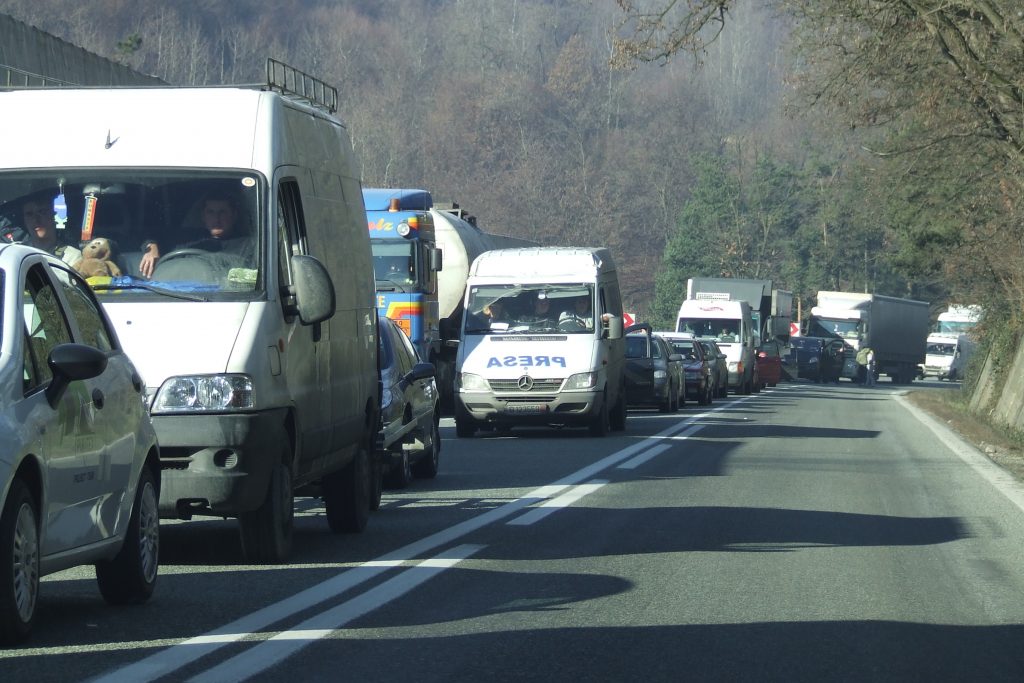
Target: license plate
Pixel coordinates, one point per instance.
(526, 408)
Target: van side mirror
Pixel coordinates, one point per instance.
(434, 259)
(611, 326)
(312, 288)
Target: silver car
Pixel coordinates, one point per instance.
(410, 443)
(79, 467)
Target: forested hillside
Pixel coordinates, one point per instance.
(517, 110)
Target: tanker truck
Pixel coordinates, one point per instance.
(896, 329)
(422, 251)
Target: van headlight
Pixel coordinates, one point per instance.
(581, 381)
(204, 393)
(470, 382)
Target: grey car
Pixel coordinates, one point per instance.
(410, 441)
(79, 470)
(719, 366)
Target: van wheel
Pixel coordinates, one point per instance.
(426, 467)
(618, 416)
(347, 495)
(19, 564)
(267, 530)
(130, 577)
(601, 422)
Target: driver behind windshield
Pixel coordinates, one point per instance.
(219, 232)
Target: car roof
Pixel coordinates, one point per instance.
(676, 335)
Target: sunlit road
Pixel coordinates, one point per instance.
(806, 533)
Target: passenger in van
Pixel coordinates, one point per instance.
(37, 216)
(219, 232)
(541, 315)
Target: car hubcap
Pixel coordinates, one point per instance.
(26, 562)
(149, 533)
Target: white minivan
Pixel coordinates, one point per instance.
(729, 323)
(541, 341)
(240, 282)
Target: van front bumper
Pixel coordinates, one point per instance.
(217, 464)
(568, 407)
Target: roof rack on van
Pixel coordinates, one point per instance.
(290, 81)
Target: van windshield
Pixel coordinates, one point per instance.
(722, 329)
(202, 230)
(513, 308)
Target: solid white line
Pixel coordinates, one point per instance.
(188, 651)
(283, 645)
(645, 456)
(563, 501)
(1001, 480)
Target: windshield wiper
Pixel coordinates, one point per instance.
(138, 284)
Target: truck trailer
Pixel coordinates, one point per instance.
(896, 329)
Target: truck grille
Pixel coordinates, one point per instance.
(545, 386)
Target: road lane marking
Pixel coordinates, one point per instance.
(190, 650)
(645, 456)
(555, 504)
(285, 644)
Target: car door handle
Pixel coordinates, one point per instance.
(97, 398)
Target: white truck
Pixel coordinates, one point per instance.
(957, 320)
(729, 323)
(255, 333)
(896, 329)
(771, 309)
(542, 342)
(950, 344)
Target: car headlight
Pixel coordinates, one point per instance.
(733, 367)
(470, 382)
(660, 374)
(386, 398)
(581, 381)
(204, 393)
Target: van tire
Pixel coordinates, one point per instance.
(347, 495)
(267, 531)
(19, 540)
(618, 414)
(376, 482)
(129, 578)
(600, 424)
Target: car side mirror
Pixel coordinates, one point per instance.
(71, 362)
(312, 288)
(435, 261)
(420, 371)
(675, 357)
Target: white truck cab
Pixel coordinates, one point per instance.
(541, 341)
(729, 323)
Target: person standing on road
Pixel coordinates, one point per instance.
(869, 367)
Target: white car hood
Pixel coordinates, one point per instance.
(541, 356)
(177, 338)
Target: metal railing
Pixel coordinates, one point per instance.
(12, 77)
(290, 81)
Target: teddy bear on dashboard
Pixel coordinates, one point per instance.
(98, 259)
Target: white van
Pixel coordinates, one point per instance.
(729, 323)
(255, 332)
(541, 341)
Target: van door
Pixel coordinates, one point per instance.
(306, 354)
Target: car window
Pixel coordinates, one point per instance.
(410, 350)
(636, 347)
(45, 326)
(85, 310)
(387, 358)
(402, 362)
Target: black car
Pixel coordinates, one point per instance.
(816, 358)
(654, 372)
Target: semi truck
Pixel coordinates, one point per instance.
(957, 320)
(771, 309)
(896, 329)
(422, 252)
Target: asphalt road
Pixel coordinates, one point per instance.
(807, 533)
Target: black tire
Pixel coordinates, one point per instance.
(600, 424)
(376, 483)
(400, 475)
(267, 531)
(19, 563)
(668, 405)
(347, 495)
(129, 578)
(465, 426)
(427, 466)
(723, 390)
(618, 415)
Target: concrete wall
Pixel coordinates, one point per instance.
(1003, 405)
(29, 56)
